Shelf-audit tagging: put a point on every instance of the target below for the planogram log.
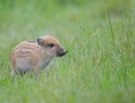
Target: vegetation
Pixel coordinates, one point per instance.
(99, 36)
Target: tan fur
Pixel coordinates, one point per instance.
(28, 56)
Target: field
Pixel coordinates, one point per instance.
(99, 36)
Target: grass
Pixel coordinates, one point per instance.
(100, 39)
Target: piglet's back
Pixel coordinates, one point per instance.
(24, 50)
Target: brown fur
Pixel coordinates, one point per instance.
(28, 56)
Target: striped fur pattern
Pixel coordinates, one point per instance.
(35, 55)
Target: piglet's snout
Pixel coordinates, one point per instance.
(65, 52)
(61, 52)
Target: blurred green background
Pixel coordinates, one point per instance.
(99, 36)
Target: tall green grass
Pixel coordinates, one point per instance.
(99, 36)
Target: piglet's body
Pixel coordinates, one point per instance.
(35, 55)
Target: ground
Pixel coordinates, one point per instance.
(99, 36)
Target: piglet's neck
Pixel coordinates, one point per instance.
(44, 54)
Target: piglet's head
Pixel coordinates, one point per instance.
(52, 46)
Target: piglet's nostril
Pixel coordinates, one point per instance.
(65, 52)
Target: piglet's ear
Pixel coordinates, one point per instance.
(40, 42)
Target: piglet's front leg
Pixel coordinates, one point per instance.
(36, 72)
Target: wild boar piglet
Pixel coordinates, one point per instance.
(35, 55)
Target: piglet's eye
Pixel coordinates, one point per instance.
(51, 45)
